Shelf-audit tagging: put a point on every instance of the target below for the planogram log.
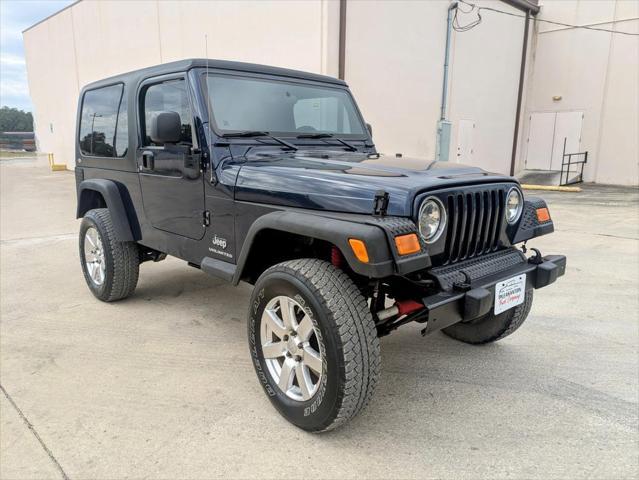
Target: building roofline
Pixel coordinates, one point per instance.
(531, 6)
(51, 16)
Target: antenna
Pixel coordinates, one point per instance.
(208, 108)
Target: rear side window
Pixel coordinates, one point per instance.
(168, 96)
(104, 123)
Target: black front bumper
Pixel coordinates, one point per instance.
(468, 288)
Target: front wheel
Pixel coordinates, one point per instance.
(491, 327)
(314, 343)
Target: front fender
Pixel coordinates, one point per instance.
(529, 225)
(335, 231)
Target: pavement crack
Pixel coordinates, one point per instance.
(35, 433)
(37, 240)
(610, 235)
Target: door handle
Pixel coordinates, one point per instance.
(148, 160)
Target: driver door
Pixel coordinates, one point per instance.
(170, 178)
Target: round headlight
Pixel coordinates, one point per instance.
(432, 219)
(514, 205)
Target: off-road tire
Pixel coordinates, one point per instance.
(122, 259)
(346, 329)
(491, 327)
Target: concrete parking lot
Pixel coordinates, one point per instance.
(161, 385)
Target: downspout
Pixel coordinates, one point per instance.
(444, 126)
(449, 28)
(342, 40)
(520, 93)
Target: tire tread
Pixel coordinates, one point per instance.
(125, 255)
(355, 329)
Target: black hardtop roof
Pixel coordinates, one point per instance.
(183, 65)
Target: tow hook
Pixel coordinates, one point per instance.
(465, 285)
(537, 259)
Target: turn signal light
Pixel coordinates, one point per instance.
(543, 215)
(359, 249)
(407, 244)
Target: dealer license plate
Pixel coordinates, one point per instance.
(510, 293)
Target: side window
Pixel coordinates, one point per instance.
(168, 96)
(103, 122)
(122, 130)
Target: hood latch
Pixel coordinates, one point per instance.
(380, 203)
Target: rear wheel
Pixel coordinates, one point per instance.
(491, 327)
(110, 267)
(313, 342)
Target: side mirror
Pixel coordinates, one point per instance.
(166, 127)
(369, 127)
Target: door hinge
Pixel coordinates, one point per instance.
(206, 218)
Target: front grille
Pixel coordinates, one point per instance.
(475, 220)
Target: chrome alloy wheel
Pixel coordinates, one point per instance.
(291, 348)
(94, 256)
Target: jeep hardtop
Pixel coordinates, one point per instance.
(270, 176)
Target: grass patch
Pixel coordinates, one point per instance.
(12, 154)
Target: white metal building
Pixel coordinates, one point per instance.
(392, 55)
(583, 85)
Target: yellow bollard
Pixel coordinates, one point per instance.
(55, 167)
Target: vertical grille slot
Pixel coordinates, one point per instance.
(475, 221)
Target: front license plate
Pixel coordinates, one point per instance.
(510, 293)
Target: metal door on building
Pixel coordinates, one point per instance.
(546, 134)
(465, 147)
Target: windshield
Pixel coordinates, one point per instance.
(281, 108)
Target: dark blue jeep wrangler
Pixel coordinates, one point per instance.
(270, 176)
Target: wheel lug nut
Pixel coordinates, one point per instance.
(285, 337)
(293, 334)
(298, 358)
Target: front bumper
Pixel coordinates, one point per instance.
(468, 288)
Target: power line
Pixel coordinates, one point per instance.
(464, 28)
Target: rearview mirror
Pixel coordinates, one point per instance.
(369, 127)
(166, 127)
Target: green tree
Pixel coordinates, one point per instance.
(14, 120)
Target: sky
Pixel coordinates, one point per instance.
(16, 16)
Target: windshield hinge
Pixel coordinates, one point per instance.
(206, 218)
(380, 203)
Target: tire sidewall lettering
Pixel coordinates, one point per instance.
(318, 408)
(319, 395)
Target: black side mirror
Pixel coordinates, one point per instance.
(166, 127)
(369, 127)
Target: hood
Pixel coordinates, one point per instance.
(347, 182)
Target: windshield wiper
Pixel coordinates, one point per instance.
(251, 133)
(351, 147)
